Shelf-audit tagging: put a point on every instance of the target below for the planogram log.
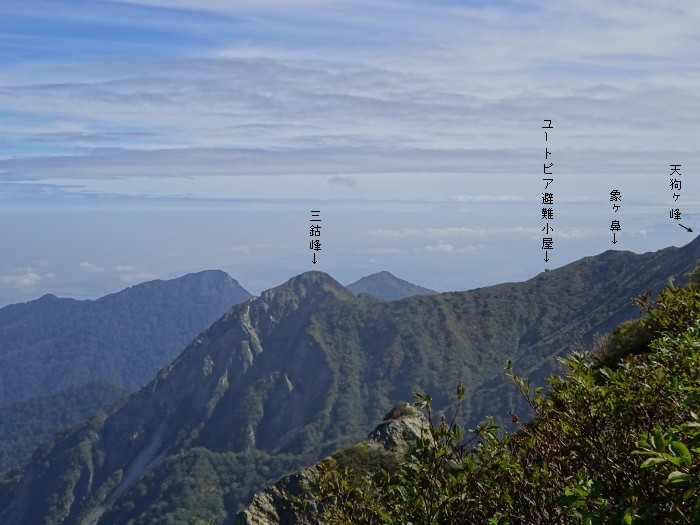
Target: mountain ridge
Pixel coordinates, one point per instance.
(45, 345)
(290, 376)
(50, 348)
(387, 287)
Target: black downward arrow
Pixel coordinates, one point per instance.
(546, 256)
(314, 261)
(688, 229)
(614, 240)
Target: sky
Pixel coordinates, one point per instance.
(144, 139)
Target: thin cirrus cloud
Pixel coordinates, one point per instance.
(260, 106)
(440, 247)
(455, 231)
(218, 102)
(25, 278)
(425, 112)
(450, 232)
(432, 86)
(90, 267)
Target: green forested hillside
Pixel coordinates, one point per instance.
(616, 440)
(61, 359)
(286, 378)
(25, 424)
(124, 338)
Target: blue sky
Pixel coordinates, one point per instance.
(149, 138)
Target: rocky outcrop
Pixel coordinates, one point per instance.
(288, 502)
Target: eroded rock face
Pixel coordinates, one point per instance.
(237, 386)
(401, 428)
(276, 504)
(287, 502)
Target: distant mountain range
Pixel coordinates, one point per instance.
(123, 338)
(62, 359)
(132, 334)
(387, 287)
(288, 377)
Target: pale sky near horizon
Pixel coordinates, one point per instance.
(146, 139)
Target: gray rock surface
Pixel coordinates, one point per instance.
(287, 502)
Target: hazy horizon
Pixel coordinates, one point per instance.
(147, 139)
(103, 290)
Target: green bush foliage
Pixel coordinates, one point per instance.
(615, 440)
(363, 458)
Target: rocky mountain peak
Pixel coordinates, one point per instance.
(305, 289)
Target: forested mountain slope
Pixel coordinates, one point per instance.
(123, 338)
(288, 377)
